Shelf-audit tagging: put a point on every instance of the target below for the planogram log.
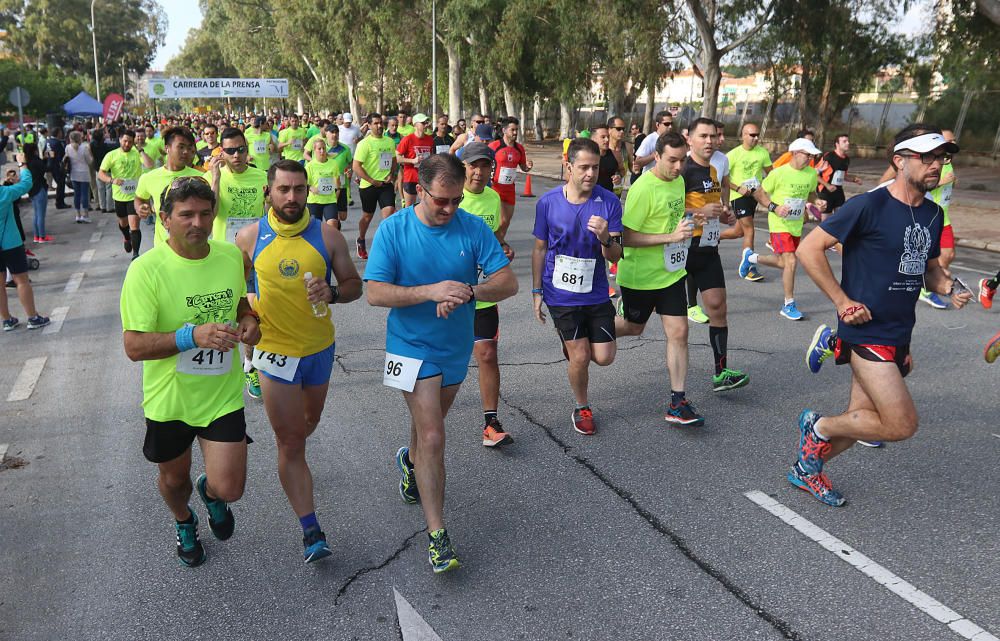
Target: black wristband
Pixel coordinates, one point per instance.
(606, 244)
(334, 294)
(771, 207)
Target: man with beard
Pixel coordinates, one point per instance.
(292, 256)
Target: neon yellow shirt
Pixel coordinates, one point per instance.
(942, 194)
(653, 206)
(241, 201)
(162, 292)
(151, 187)
(298, 139)
(746, 164)
(375, 155)
(324, 176)
(128, 167)
(257, 145)
(486, 205)
(786, 183)
(405, 130)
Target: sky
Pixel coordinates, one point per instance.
(182, 15)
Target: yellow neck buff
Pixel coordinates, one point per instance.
(287, 230)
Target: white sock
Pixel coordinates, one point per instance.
(818, 433)
(789, 301)
(752, 258)
(247, 365)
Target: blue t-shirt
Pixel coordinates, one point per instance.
(886, 248)
(9, 236)
(408, 253)
(563, 227)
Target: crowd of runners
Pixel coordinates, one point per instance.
(248, 248)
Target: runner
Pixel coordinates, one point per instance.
(703, 202)
(122, 168)
(785, 193)
(296, 351)
(611, 170)
(443, 140)
(578, 227)
(786, 157)
(482, 201)
(468, 137)
(403, 123)
(645, 153)
(719, 162)
(429, 332)
(748, 162)
(616, 143)
(13, 258)
(260, 143)
(508, 156)
(179, 146)
(183, 310)
(891, 239)
(651, 273)
(324, 175)
(291, 141)
(374, 164)
(942, 196)
(831, 181)
(410, 152)
(208, 146)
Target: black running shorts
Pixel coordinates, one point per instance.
(167, 440)
(593, 322)
(638, 304)
(705, 267)
(373, 198)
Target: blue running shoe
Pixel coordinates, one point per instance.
(441, 553)
(932, 299)
(820, 348)
(683, 414)
(753, 275)
(220, 517)
(315, 545)
(408, 480)
(816, 484)
(871, 443)
(745, 264)
(812, 449)
(189, 549)
(791, 312)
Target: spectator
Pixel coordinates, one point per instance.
(99, 148)
(55, 154)
(12, 253)
(80, 161)
(38, 193)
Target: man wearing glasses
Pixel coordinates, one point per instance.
(645, 156)
(748, 164)
(469, 136)
(179, 146)
(892, 243)
(429, 333)
(208, 146)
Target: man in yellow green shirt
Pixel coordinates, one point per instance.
(374, 164)
(179, 146)
(748, 163)
(292, 140)
(260, 143)
(122, 168)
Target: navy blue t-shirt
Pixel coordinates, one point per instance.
(886, 248)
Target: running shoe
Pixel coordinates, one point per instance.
(12, 323)
(44, 239)
(493, 434)
(729, 379)
(683, 414)
(38, 239)
(85, 219)
(441, 553)
(362, 249)
(315, 546)
(611, 292)
(620, 307)
(745, 264)
(817, 484)
(583, 421)
(815, 212)
(932, 299)
(696, 315)
(819, 348)
(253, 383)
(871, 443)
(812, 449)
(613, 270)
(189, 549)
(220, 517)
(37, 322)
(127, 244)
(753, 275)
(408, 480)
(991, 352)
(791, 312)
(986, 293)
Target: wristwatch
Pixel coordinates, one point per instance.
(334, 294)
(772, 207)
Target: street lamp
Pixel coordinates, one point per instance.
(93, 34)
(434, 77)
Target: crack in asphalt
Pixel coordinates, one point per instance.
(373, 568)
(663, 529)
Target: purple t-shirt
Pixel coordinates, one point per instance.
(575, 272)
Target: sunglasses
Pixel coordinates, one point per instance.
(930, 157)
(443, 202)
(478, 122)
(667, 123)
(232, 151)
(754, 135)
(619, 128)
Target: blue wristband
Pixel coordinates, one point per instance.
(184, 338)
(537, 291)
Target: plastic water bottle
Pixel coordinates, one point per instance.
(319, 309)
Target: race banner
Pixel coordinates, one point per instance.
(113, 106)
(218, 88)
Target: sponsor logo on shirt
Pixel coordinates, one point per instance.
(916, 246)
(288, 268)
(212, 307)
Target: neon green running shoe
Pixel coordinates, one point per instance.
(253, 383)
(441, 553)
(696, 315)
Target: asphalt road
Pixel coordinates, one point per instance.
(641, 532)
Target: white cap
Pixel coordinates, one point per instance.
(348, 117)
(804, 144)
(926, 142)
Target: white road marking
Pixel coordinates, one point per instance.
(102, 222)
(27, 379)
(57, 317)
(87, 256)
(411, 625)
(972, 269)
(920, 600)
(73, 283)
(997, 435)
(3, 451)
(96, 236)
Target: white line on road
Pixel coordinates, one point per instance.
(57, 317)
(26, 380)
(411, 625)
(102, 222)
(920, 600)
(972, 269)
(3, 452)
(73, 283)
(96, 236)
(87, 256)
(997, 435)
